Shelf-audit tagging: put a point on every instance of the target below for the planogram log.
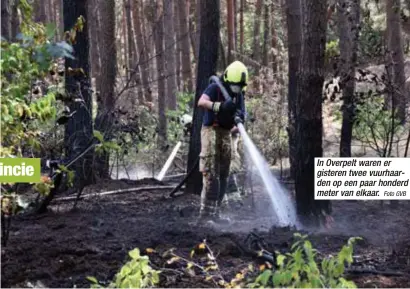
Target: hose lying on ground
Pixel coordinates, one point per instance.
(176, 189)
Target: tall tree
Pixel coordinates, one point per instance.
(94, 31)
(309, 109)
(231, 31)
(15, 21)
(169, 38)
(186, 54)
(241, 26)
(104, 120)
(134, 70)
(208, 57)
(6, 19)
(142, 51)
(256, 31)
(124, 41)
(399, 95)
(159, 50)
(178, 43)
(273, 35)
(79, 128)
(348, 23)
(266, 33)
(294, 33)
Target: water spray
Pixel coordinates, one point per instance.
(282, 204)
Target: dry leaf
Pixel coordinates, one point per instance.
(150, 250)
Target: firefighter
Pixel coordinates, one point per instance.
(219, 121)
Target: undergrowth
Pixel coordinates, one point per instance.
(300, 268)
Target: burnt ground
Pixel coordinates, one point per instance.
(62, 247)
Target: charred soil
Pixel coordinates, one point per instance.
(62, 247)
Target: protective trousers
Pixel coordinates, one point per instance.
(215, 161)
(233, 193)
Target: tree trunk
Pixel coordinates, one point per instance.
(124, 41)
(396, 59)
(170, 53)
(294, 47)
(241, 28)
(142, 52)
(159, 49)
(79, 128)
(193, 26)
(57, 20)
(309, 110)
(104, 121)
(94, 32)
(177, 29)
(274, 42)
(186, 54)
(256, 31)
(266, 33)
(231, 31)
(235, 24)
(39, 11)
(198, 27)
(348, 34)
(208, 57)
(134, 74)
(6, 19)
(15, 21)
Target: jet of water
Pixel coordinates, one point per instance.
(280, 198)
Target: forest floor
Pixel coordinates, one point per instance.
(64, 246)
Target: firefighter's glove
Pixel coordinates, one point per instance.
(216, 106)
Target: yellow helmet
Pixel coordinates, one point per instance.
(236, 73)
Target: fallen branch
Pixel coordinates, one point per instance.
(130, 190)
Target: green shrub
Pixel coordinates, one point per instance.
(301, 269)
(136, 273)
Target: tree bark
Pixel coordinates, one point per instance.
(94, 32)
(124, 41)
(256, 31)
(177, 29)
(79, 128)
(56, 19)
(274, 42)
(208, 57)
(186, 54)
(309, 110)
(241, 27)
(198, 26)
(104, 120)
(159, 50)
(348, 23)
(15, 21)
(169, 38)
(6, 19)
(39, 11)
(142, 52)
(134, 74)
(294, 23)
(231, 31)
(396, 59)
(266, 33)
